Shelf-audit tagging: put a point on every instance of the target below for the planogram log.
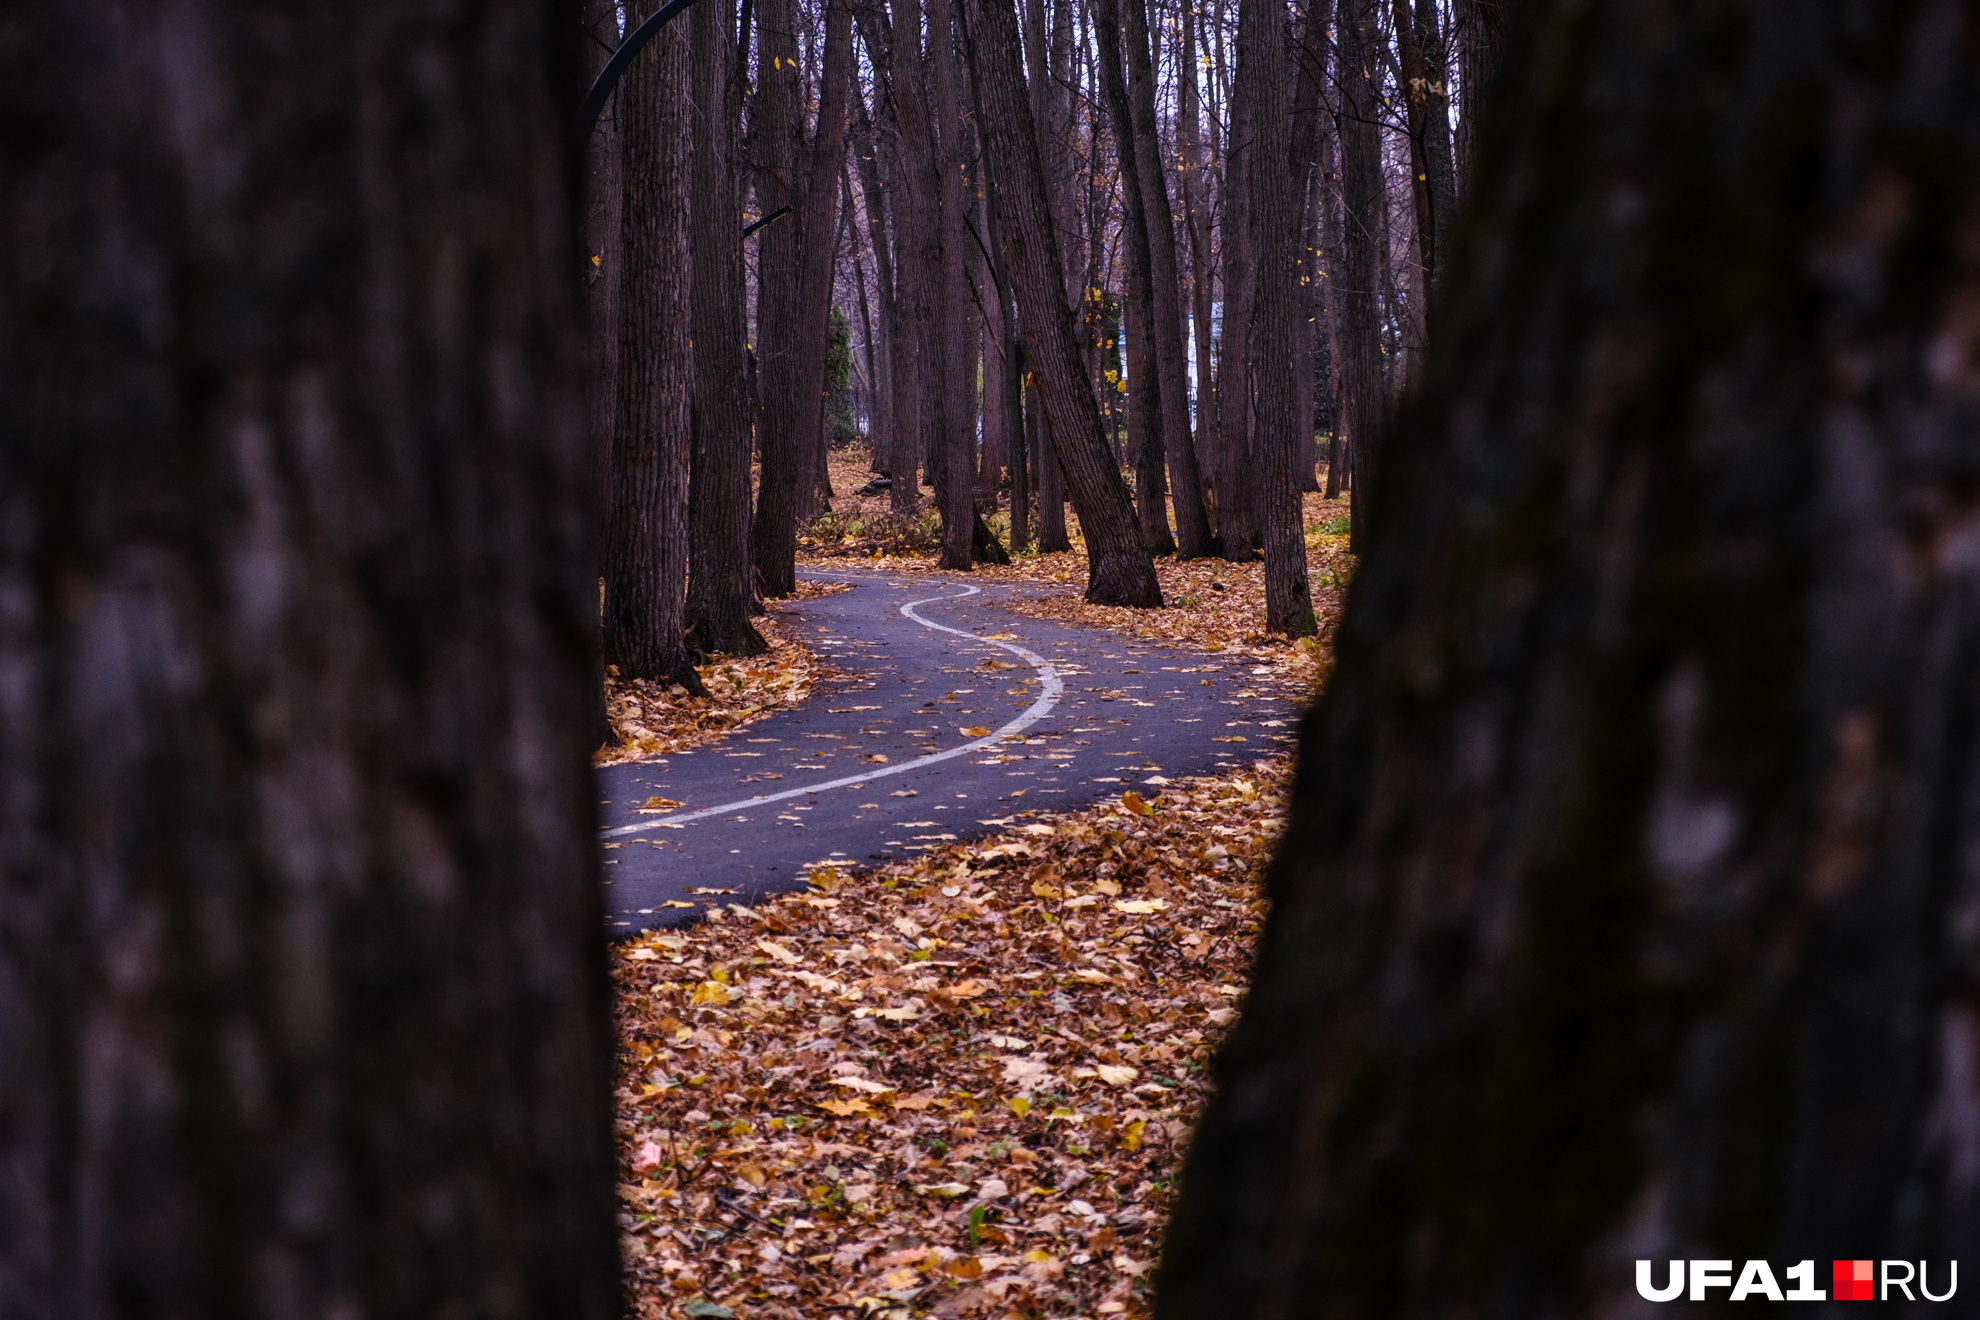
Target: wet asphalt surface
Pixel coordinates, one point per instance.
(1128, 712)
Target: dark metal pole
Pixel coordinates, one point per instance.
(751, 228)
(622, 58)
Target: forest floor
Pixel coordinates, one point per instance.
(963, 1084)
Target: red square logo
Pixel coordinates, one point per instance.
(1854, 1280)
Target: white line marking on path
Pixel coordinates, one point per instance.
(1038, 710)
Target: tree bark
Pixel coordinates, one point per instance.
(603, 193)
(1193, 536)
(1051, 98)
(1196, 217)
(1481, 29)
(1624, 909)
(646, 553)
(1237, 528)
(794, 281)
(920, 254)
(887, 328)
(1364, 389)
(958, 309)
(302, 989)
(903, 206)
(1119, 570)
(718, 597)
(1277, 177)
(1146, 412)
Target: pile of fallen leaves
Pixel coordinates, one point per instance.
(956, 1086)
(652, 718)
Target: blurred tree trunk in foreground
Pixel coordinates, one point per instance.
(303, 1007)
(1626, 906)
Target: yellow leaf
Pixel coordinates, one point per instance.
(1043, 890)
(845, 1108)
(1134, 802)
(712, 992)
(1035, 1255)
(659, 804)
(1018, 1105)
(779, 952)
(752, 1174)
(1107, 887)
(1131, 1135)
(1141, 907)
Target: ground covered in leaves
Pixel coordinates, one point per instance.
(652, 718)
(958, 1086)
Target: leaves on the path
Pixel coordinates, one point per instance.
(658, 719)
(958, 1086)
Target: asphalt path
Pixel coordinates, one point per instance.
(954, 717)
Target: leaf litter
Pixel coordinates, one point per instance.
(651, 718)
(956, 1086)
(959, 1085)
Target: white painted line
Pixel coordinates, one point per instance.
(1038, 710)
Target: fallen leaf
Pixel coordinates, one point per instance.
(845, 1108)
(1140, 907)
(713, 992)
(1134, 802)
(976, 731)
(862, 1084)
(1115, 1074)
(659, 804)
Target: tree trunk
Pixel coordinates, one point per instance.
(1237, 471)
(885, 389)
(1481, 29)
(1196, 217)
(1330, 304)
(305, 1008)
(1625, 906)
(794, 281)
(1144, 434)
(1364, 390)
(1119, 571)
(1278, 196)
(646, 555)
(1051, 96)
(920, 252)
(1146, 412)
(603, 193)
(1193, 535)
(903, 206)
(718, 597)
(959, 319)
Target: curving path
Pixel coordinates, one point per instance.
(960, 716)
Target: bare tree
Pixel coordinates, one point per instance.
(718, 597)
(1277, 179)
(1119, 570)
(795, 262)
(1359, 294)
(646, 554)
(1193, 535)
